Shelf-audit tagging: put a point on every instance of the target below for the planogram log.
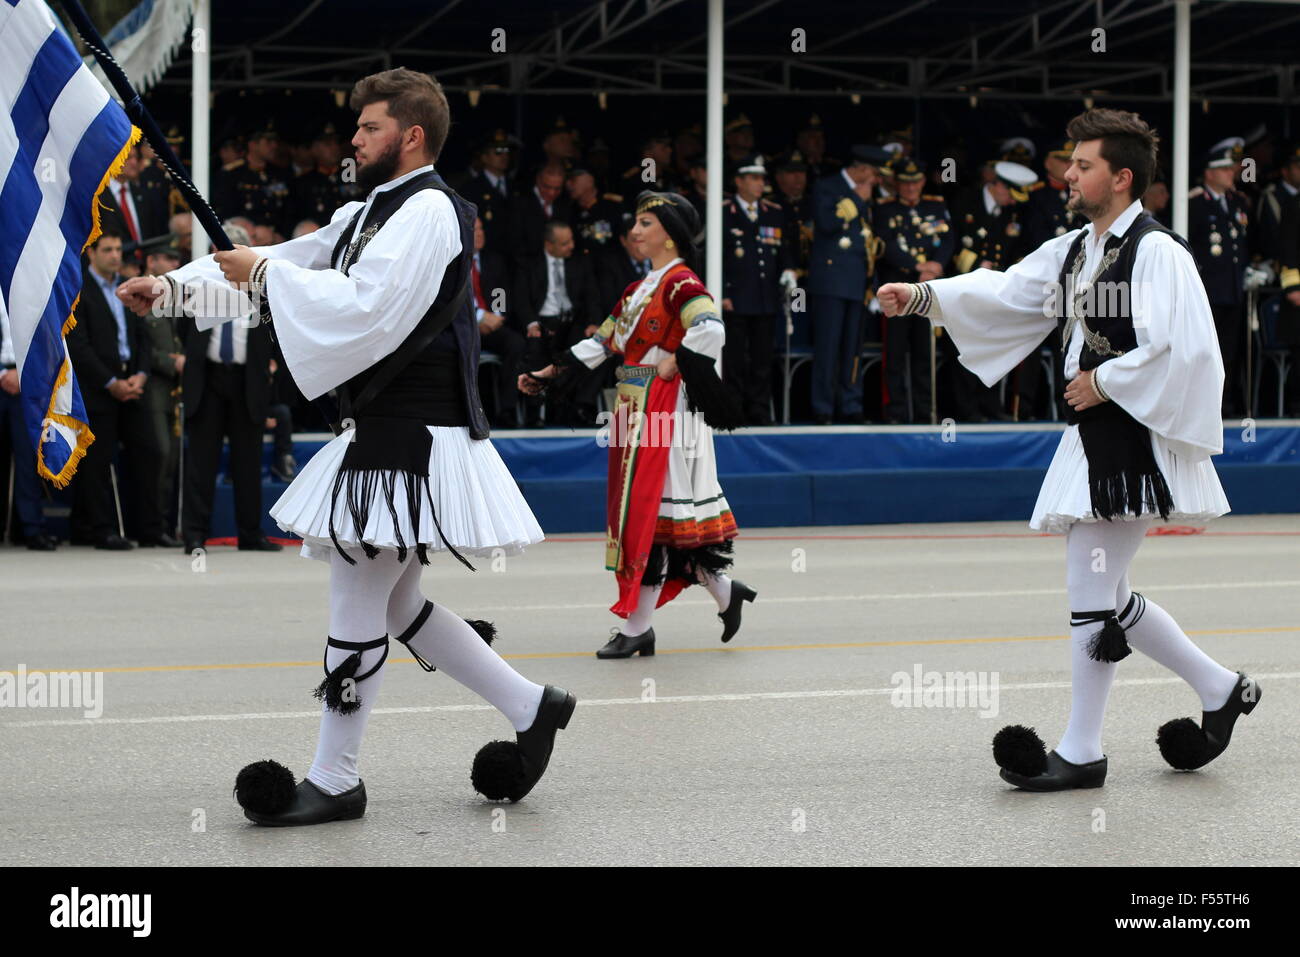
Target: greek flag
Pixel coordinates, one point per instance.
(61, 140)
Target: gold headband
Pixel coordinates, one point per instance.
(654, 201)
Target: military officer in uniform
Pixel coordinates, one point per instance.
(755, 265)
(1218, 221)
(843, 256)
(491, 191)
(595, 216)
(791, 174)
(1273, 201)
(811, 142)
(257, 188)
(990, 230)
(1047, 216)
(656, 175)
(318, 192)
(918, 243)
(1288, 320)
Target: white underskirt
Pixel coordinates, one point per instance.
(477, 502)
(1064, 498)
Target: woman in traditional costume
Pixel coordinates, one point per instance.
(668, 525)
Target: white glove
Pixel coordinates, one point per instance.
(1259, 274)
(789, 280)
(873, 306)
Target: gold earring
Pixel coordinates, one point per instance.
(670, 245)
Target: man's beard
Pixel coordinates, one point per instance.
(1089, 211)
(380, 170)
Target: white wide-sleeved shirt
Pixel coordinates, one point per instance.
(331, 326)
(1172, 382)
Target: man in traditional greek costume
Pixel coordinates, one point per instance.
(374, 305)
(1145, 379)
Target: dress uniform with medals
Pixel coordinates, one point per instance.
(595, 229)
(1288, 320)
(318, 192)
(840, 268)
(1217, 227)
(912, 234)
(1047, 216)
(1273, 201)
(754, 260)
(798, 213)
(260, 194)
(992, 233)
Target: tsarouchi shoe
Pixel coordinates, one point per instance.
(1026, 763)
(1187, 747)
(508, 770)
(266, 792)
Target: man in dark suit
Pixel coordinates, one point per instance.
(532, 210)
(555, 297)
(226, 386)
(133, 211)
(838, 279)
(110, 354)
(489, 280)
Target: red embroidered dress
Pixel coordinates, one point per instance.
(663, 490)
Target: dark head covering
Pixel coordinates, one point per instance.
(679, 218)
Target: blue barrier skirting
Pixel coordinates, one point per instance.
(850, 475)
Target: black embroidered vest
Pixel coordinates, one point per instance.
(1122, 471)
(422, 389)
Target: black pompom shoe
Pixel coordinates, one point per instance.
(508, 770)
(740, 593)
(266, 792)
(621, 646)
(1187, 747)
(1026, 763)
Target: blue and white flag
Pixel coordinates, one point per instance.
(62, 138)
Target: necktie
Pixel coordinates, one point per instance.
(126, 212)
(478, 286)
(557, 272)
(227, 343)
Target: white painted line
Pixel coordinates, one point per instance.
(594, 702)
(1152, 590)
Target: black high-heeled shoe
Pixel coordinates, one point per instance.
(740, 593)
(1188, 747)
(621, 646)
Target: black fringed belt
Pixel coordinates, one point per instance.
(382, 450)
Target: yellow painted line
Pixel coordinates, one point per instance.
(819, 646)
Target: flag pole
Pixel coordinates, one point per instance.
(135, 110)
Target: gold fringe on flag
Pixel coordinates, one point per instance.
(80, 429)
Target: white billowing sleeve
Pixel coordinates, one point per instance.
(590, 352)
(996, 319)
(1173, 381)
(706, 336)
(330, 326)
(216, 301)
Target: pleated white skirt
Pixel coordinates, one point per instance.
(1064, 499)
(477, 503)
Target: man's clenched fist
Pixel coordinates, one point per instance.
(893, 297)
